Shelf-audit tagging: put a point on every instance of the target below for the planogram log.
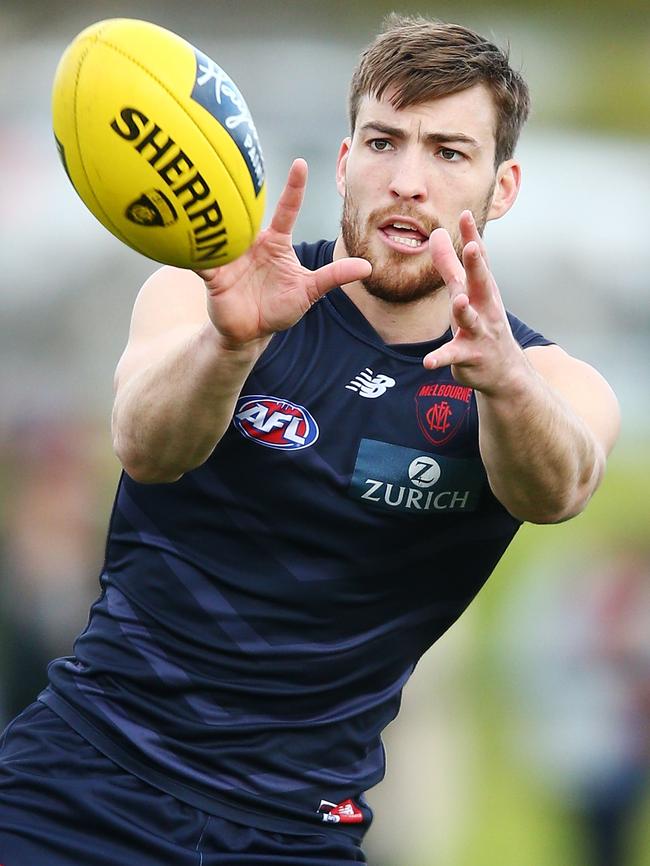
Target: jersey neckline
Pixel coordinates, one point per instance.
(347, 311)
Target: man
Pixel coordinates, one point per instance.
(306, 505)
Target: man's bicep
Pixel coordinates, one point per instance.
(170, 307)
(583, 387)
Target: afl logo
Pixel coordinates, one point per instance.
(275, 423)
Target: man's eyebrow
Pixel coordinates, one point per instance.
(377, 126)
(429, 138)
(447, 137)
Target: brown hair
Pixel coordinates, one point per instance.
(424, 59)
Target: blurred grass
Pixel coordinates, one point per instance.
(519, 824)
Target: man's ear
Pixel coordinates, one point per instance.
(506, 188)
(341, 163)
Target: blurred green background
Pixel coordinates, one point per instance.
(484, 765)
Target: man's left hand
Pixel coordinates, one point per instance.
(483, 352)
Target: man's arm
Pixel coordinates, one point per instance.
(544, 440)
(177, 382)
(194, 339)
(546, 420)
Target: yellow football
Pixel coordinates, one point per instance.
(159, 144)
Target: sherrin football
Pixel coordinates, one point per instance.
(159, 144)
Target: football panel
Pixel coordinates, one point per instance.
(65, 127)
(158, 180)
(207, 93)
(151, 175)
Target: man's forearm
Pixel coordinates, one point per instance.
(169, 416)
(542, 461)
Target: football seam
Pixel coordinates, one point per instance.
(133, 60)
(89, 186)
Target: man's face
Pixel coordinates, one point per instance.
(405, 173)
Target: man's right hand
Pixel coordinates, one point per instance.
(186, 361)
(267, 289)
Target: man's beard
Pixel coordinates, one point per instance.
(400, 278)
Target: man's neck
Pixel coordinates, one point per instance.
(415, 322)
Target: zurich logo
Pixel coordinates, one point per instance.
(275, 422)
(424, 471)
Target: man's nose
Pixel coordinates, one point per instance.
(409, 179)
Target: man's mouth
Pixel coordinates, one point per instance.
(403, 233)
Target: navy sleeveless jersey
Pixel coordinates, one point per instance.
(260, 616)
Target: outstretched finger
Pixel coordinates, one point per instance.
(290, 201)
(465, 316)
(445, 356)
(445, 259)
(469, 232)
(480, 283)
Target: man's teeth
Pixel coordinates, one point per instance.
(414, 242)
(407, 242)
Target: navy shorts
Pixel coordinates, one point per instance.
(63, 803)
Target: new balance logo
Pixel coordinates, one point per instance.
(346, 812)
(366, 384)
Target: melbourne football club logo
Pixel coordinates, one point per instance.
(442, 408)
(275, 423)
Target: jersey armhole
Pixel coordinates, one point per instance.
(271, 350)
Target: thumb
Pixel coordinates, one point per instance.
(340, 272)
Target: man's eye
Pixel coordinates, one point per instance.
(450, 155)
(380, 144)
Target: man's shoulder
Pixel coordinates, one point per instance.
(525, 335)
(315, 255)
